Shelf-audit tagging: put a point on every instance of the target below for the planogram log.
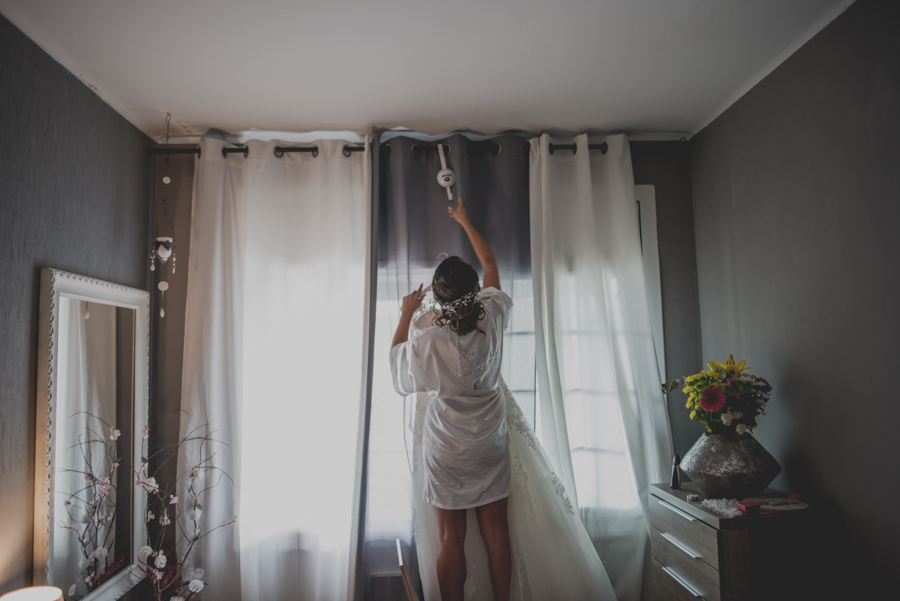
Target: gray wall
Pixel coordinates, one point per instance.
(667, 167)
(796, 191)
(74, 183)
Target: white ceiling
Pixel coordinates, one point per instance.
(657, 67)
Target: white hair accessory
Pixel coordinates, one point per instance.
(467, 300)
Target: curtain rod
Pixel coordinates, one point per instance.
(602, 147)
(278, 150)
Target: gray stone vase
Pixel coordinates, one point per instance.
(729, 466)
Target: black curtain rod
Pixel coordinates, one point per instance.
(347, 150)
(167, 151)
(602, 147)
(279, 150)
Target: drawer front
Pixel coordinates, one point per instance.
(685, 530)
(666, 587)
(692, 570)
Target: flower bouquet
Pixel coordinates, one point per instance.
(726, 461)
(724, 398)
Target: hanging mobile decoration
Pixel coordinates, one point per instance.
(163, 247)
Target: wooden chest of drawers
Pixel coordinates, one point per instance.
(698, 555)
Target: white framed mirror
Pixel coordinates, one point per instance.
(92, 403)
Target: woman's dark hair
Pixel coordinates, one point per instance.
(453, 279)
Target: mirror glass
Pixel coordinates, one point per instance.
(96, 404)
(95, 401)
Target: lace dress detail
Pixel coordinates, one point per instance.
(521, 483)
(516, 419)
(561, 492)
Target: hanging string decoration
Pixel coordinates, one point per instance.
(163, 247)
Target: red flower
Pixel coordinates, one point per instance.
(713, 399)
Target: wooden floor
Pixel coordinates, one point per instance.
(388, 588)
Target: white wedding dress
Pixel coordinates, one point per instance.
(553, 558)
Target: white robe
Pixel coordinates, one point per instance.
(465, 447)
(552, 555)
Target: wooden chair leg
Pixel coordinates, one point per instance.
(410, 589)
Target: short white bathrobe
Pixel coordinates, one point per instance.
(465, 442)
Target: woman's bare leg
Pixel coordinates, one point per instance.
(492, 522)
(451, 559)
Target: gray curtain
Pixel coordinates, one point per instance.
(413, 230)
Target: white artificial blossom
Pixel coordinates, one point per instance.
(145, 552)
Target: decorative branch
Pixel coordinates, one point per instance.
(169, 572)
(91, 510)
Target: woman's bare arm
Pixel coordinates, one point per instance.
(409, 305)
(484, 252)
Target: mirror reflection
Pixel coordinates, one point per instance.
(95, 417)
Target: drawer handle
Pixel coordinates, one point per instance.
(678, 579)
(680, 545)
(686, 516)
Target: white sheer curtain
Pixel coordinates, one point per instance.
(273, 363)
(602, 416)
